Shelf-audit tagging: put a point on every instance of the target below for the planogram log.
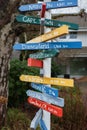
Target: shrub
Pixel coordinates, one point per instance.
(74, 112)
(55, 69)
(17, 88)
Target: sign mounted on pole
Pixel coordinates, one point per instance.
(44, 54)
(51, 35)
(48, 45)
(45, 89)
(46, 80)
(49, 5)
(35, 63)
(46, 98)
(47, 22)
(36, 120)
(57, 111)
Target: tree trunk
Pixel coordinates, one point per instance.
(6, 42)
(7, 39)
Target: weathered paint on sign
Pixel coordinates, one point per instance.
(49, 5)
(47, 22)
(46, 80)
(45, 89)
(57, 111)
(47, 98)
(44, 54)
(48, 45)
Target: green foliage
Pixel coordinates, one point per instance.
(74, 112)
(16, 120)
(55, 70)
(17, 88)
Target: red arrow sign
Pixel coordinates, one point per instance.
(35, 63)
(48, 107)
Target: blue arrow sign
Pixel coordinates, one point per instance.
(49, 5)
(45, 89)
(36, 119)
(47, 98)
(42, 125)
(48, 45)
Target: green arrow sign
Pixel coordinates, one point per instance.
(44, 54)
(48, 22)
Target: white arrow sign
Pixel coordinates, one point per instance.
(36, 119)
(47, 98)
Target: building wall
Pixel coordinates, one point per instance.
(79, 36)
(82, 4)
(83, 37)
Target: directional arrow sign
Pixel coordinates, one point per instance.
(48, 107)
(35, 63)
(36, 120)
(51, 35)
(45, 54)
(47, 22)
(42, 125)
(46, 80)
(48, 45)
(47, 98)
(49, 5)
(45, 89)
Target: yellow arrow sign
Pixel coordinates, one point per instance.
(46, 80)
(51, 35)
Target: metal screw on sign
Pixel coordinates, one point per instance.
(42, 15)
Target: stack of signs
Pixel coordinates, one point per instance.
(47, 98)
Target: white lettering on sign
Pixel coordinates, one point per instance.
(69, 3)
(44, 106)
(49, 5)
(35, 46)
(49, 23)
(60, 4)
(34, 6)
(30, 20)
(45, 89)
(55, 33)
(46, 80)
(65, 46)
(45, 97)
(57, 46)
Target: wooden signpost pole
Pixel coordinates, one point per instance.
(43, 10)
(47, 73)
